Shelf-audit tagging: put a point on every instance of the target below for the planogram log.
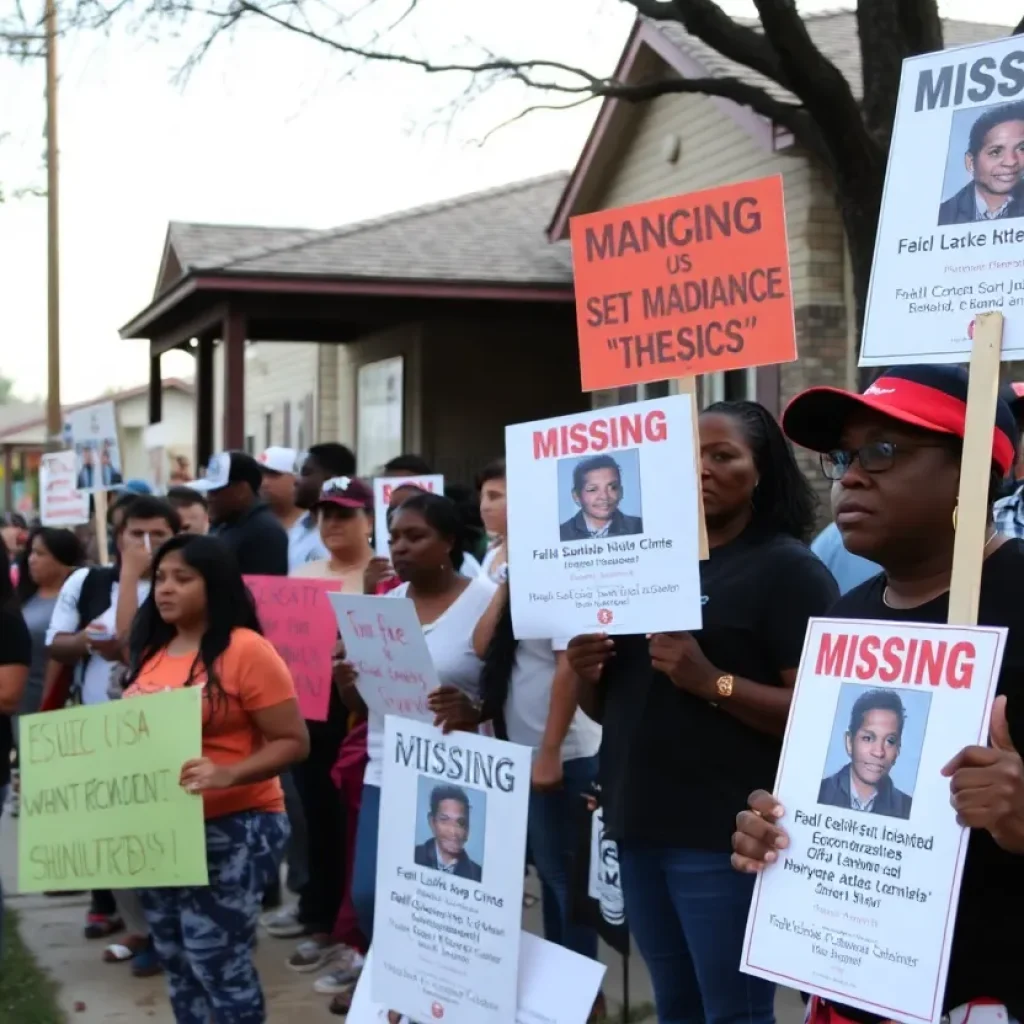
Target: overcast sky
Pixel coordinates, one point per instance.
(270, 130)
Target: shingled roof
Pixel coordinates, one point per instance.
(491, 237)
(833, 32)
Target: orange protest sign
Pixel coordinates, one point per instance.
(682, 286)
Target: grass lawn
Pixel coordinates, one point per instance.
(27, 994)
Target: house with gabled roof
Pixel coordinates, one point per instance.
(425, 330)
(682, 143)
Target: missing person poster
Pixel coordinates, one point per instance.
(384, 641)
(676, 287)
(92, 432)
(952, 223)
(393, 490)
(860, 907)
(556, 986)
(602, 521)
(449, 874)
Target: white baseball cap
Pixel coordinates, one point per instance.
(278, 460)
(227, 468)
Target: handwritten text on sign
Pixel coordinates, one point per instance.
(682, 286)
(297, 619)
(101, 807)
(60, 501)
(384, 641)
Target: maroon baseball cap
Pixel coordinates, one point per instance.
(348, 492)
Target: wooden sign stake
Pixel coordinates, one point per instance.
(688, 386)
(99, 502)
(975, 470)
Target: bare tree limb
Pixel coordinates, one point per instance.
(1020, 28)
(921, 26)
(533, 109)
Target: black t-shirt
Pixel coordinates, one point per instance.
(985, 959)
(258, 540)
(675, 769)
(15, 649)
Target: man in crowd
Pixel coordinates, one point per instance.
(319, 464)
(240, 519)
(192, 508)
(304, 544)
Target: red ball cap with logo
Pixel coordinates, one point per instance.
(346, 492)
(930, 397)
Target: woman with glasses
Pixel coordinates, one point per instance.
(691, 719)
(894, 455)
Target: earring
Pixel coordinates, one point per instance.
(956, 509)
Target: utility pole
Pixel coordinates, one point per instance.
(54, 418)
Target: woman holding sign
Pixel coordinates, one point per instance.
(427, 555)
(893, 454)
(689, 719)
(198, 627)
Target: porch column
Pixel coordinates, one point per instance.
(204, 401)
(233, 340)
(156, 388)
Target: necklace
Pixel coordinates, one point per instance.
(993, 535)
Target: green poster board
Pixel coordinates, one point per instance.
(101, 807)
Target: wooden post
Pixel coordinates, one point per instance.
(688, 386)
(975, 470)
(99, 504)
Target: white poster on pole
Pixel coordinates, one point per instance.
(450, 860)
(859, 908)
(602, 521)
(952, 223)
(92, 432)
(383, 489)
(556, 986)
(384, 641)
(60, 501)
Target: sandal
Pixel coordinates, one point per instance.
(100, 926)
(342, 1003)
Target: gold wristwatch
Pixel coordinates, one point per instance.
(724, 685)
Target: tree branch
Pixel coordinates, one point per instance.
(706, 20)
(921, 26)
(1019, 30)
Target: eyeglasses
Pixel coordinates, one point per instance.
(876, 457)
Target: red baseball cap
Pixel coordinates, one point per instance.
(346, 491)
(931, 397)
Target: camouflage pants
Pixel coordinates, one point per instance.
(204, 935)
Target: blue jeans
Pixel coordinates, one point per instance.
(551, 830)
(204, 934)
(687, 910)
(364, 873)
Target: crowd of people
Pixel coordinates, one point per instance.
(680, 733)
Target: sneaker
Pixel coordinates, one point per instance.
(313, 956)
(100, 926)
(342, 978)
(284, 923)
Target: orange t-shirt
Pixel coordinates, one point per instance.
(253, 677)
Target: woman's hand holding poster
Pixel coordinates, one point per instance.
(859, 907)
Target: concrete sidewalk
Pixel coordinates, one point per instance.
(92, 992)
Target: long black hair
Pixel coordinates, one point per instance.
(441, 515)
(229, 606)
(8, 598)
(65, 547)
(496, 673)
(783, 499)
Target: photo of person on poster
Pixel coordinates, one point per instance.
(598, 489)
(873, 740)
(994, 163)
(448, 818)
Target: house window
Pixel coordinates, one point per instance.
(250, 443)
(268, 429)
(729, 386)
(288, 425)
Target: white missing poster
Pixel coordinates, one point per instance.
(449, 874)
(384, 488)
(860, 907)
(952, 223)
(556, 986)
(91, 432)
(60, 501)
(602, 521)
(384, 641)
